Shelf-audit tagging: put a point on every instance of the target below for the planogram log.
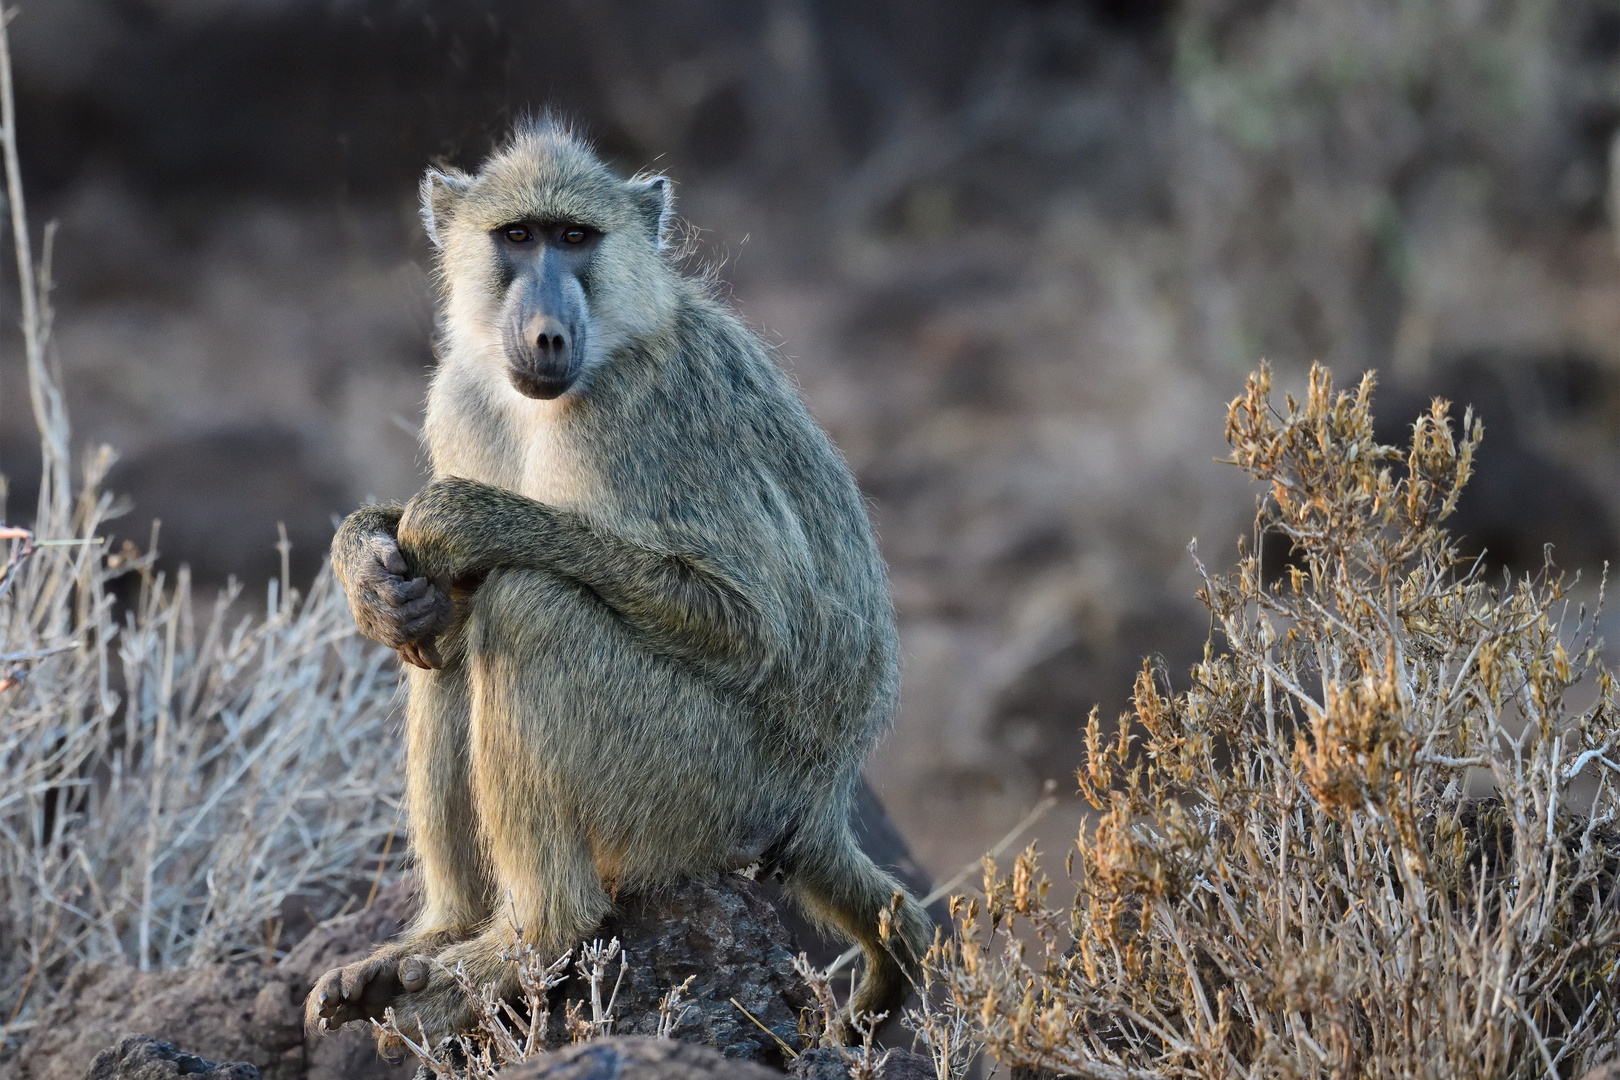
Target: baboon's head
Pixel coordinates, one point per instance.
(549, 262)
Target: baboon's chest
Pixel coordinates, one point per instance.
(551, 467)
(523, 446)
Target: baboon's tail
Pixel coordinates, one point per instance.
(841, 889)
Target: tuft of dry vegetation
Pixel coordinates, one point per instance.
(507, 1035)
(1374, 836)
(509, 1032)
(175, 778)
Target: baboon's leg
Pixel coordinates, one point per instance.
(839, 887)
(547, 882)
(456, 891)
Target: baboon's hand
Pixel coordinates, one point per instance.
(405, 614)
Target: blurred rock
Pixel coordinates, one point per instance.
(257, 479)
(822, 1063)
(635, 1058)
(141, 1057)
(239, 1012)
(229, 1012)
(1524, 493)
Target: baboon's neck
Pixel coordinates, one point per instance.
(481, 430)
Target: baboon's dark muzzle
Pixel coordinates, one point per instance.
(541, 338)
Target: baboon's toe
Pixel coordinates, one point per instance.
(413, 973)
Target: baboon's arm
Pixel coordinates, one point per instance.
(457, 528)
(403, 613)
(352, 548)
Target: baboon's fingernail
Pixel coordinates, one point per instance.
(322, 998)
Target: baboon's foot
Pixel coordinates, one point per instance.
(362, 990)
(431, 1014)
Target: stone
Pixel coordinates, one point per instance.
(745, 999)
(725, 933)
(637, 1058)
(141, 1057)
(826, 1063)
(229, 1012)
(242, 1012)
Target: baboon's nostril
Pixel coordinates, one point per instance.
(549, 343)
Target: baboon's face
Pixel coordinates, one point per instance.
(542, 269)
(551, 264)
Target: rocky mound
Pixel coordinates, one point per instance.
(724, 932)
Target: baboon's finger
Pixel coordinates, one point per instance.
(344, 1014)
(405, 591)
(423, 607)
(420, 653)
(389, 556)
(423, 626)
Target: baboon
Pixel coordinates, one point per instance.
(648, 628)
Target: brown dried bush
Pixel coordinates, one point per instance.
(1373, 837)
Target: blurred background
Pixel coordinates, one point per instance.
(1018, 255)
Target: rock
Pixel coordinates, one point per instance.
(351, 1053)
(824, 1063)
(725, 934)
(904, 1065)
(141, 1057)
(636, 1058)
(230, 1012)
(242, 1012)
(348, 938)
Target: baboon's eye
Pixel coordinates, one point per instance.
(573, 234)
(519, 234)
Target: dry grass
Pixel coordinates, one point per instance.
(1373, 837)
(509, 1032)
(167, 782)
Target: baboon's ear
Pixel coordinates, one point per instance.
(655, 198)
(440, 190)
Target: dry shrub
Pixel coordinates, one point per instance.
(510, 1032)
(1373, 837)
(167, 783)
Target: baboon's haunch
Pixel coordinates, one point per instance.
(650, 629)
